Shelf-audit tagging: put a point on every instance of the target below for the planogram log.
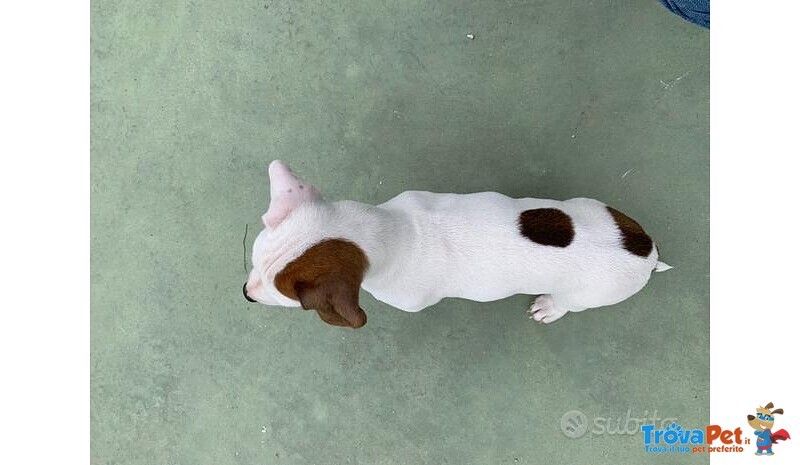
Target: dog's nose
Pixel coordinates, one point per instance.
(244, 291)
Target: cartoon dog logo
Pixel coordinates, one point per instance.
(762, 423)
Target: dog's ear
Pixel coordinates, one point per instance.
(769, 405)
(287, 192)
(327, 278)
(335, 301)
(779, 411)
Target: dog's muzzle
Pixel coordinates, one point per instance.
(244, 291)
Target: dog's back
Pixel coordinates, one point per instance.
(487, 246)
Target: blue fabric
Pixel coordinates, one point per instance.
(696, 11)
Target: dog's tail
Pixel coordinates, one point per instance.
(661, 266)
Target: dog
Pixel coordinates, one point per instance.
(762, 423)
(420, 247)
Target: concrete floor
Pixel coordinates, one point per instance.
(368, 98)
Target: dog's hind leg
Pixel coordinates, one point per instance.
(548, 308)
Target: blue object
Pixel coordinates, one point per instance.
(763, 438)
(696, 11)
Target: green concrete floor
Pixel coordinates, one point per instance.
(366, 98)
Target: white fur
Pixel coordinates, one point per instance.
(424, 246)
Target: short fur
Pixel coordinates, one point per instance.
(420, 247)
(634, 239)
(547, 226)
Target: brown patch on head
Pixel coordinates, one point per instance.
(634, 239)
(327, 278)
(547, 226)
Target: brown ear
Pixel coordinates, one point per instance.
(779, 411)
(332, 318)
(327, 278)
(769, 405)
(335, 301)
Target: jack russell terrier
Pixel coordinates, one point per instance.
(420, 247)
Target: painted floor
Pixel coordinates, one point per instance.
(366, 99)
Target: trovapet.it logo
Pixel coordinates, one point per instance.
(674, 438)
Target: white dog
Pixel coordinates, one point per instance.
(420, 247)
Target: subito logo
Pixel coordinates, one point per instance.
(574, 424)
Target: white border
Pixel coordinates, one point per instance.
(755, 260)
(44, 190)
(44, 105)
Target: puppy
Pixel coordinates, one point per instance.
(421, 247)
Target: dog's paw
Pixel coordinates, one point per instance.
(544, 310)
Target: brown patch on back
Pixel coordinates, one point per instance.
(327, 278)
(634, 239)
(547, 226)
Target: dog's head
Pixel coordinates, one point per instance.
(302, 258)
(764, 418)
